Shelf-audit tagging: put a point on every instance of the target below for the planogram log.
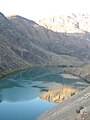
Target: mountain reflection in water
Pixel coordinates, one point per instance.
(19, 92)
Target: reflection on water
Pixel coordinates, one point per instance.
(19, 92)
(27, 110)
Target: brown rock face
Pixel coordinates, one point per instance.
(58, 95)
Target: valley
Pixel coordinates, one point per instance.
(53, 56)
(24, 44)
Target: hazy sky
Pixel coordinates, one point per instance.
(36, 9)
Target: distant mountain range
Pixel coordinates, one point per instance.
(24, 43)
(67, 23)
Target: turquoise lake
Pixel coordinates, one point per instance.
(19, 92)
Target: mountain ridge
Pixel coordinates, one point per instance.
(24, 43)
(72, 23)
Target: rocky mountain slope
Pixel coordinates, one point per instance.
(76, 107)
(83, 72)
(61, 44)
(72, 23)
(9, 36)
(24, 43)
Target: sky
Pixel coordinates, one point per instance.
(38, 9)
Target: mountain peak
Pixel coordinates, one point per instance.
(2, 17)
(3, 21)
(1, 14)
(20, 18)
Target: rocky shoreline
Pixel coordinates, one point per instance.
(83, 72)
(76, 107)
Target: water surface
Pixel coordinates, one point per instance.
(19, 92)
